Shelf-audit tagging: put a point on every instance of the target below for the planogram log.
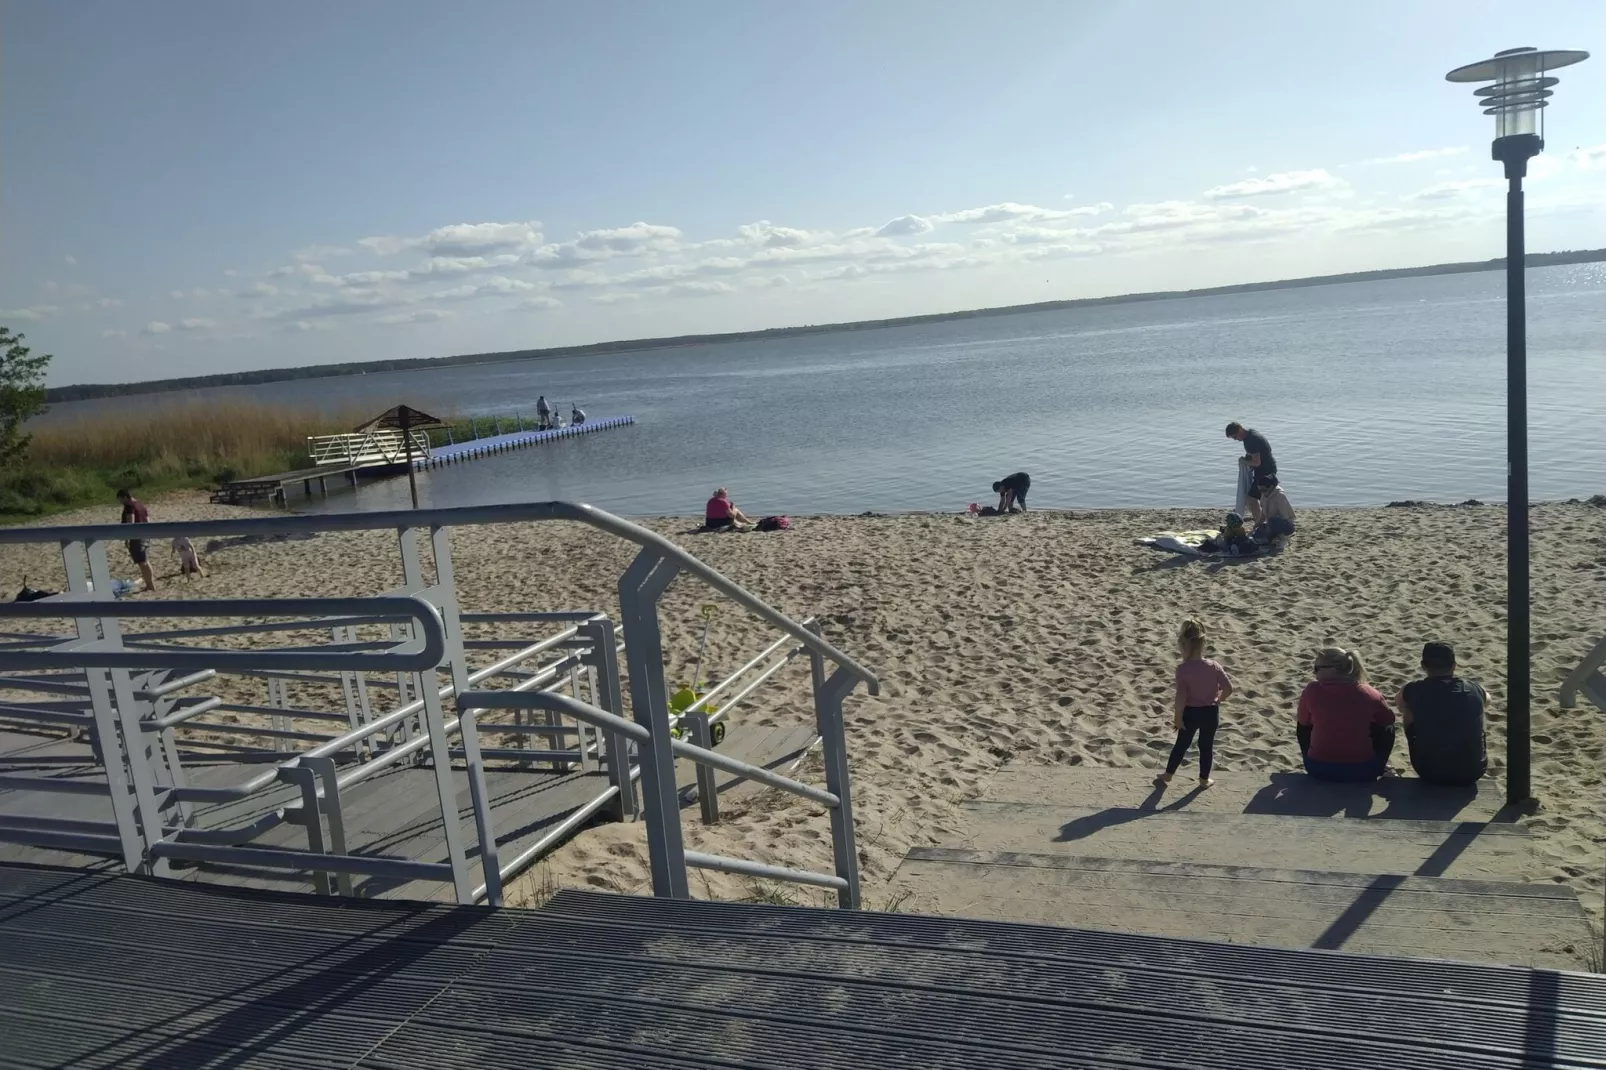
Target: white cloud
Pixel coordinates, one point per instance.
(702, 288)
(461, 239)
(905, 225)
(773, 236)
(1415, 157)
(114, 334)
(1273, 185)
(422, 315)
(538, 304)
(1447, 190)
(231, 272)
(501, 284)
(615, 298)
(1010, 211)
(70, 260)
(109, 302)
(36, 314)
(155, 327)
(194, 324)
(261, 289)
(1590, 157)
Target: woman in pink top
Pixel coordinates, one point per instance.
(721, 513)
(1346, 730)
(1202, 685)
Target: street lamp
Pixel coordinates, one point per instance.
(1520, 91)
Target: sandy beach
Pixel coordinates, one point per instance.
(1039, 639)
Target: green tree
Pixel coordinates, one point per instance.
(22, 394)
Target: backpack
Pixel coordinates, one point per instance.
(774, 523)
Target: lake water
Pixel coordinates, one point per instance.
(1368, 392)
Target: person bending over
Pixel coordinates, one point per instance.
(1262, 466)
(1012, 492)
(1443, 718)
(1278, 512)
(134, 512)
(721, 513)
(1345, 729)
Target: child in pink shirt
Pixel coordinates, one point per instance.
(1202, 685)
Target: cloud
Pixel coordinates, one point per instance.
(36, 314)
(538, 304)
(114, 334)
(261, 289)
(70, 260)
(1446, 190)
(615, 298)
(1415, 157)
(702, 288)
(422, 315)
(461, 239)
(155, 327)
(1010, 211)
(194, 324)
(1277, 184)
(109, 302)
(774, 236)
(1589, 158)
(905, 225)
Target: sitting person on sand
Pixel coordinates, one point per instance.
(1277, 511)
(1443, 718)
(1202, 685)
(1012, 492)
(721, 513)
(1233, 539)
(1345, 729)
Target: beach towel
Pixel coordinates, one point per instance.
(1179, 542)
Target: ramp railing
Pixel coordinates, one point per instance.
(418, 728)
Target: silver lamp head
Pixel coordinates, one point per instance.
(1521, 86)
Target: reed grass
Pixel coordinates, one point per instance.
(72, 463)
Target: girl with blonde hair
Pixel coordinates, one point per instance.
(1202, 685)
(1345, 729)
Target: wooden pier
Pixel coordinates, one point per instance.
(275, 488)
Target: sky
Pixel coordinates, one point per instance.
(194, 187)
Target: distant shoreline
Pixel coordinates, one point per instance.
(86, 391)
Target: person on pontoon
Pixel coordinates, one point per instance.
(721, 514)
(543, 414)
(577, 415)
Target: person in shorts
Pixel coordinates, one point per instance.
(1262, 465)
(134, 512)
(1012, 492)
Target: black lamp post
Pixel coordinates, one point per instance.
(1516, 100)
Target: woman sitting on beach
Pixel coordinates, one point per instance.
(1202, 685)
(721, 513)
(1346, 730)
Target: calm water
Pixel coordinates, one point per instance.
(1368, 392)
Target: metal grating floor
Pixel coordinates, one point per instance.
(104, 971)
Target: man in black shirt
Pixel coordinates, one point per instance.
(1443, 718)
(1012, 491)
(1263, 467)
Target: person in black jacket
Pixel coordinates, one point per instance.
(1012, 492)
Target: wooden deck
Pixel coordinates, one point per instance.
(395, 814)
(1393, 868)
(127, 973)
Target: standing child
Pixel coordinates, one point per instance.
(1202, 685)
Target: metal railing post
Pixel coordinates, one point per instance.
(474, 763)
(707, 775)
(639, 589)
(603, 656)
(305, 778)
(325, 770)
(136, 749)
(828, 719)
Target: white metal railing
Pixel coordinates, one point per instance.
(115, 709)
(367, 447)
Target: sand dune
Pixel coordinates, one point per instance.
(1040, 639)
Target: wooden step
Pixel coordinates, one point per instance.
(1289, 793)
(1471, 849)
(1430, 917)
